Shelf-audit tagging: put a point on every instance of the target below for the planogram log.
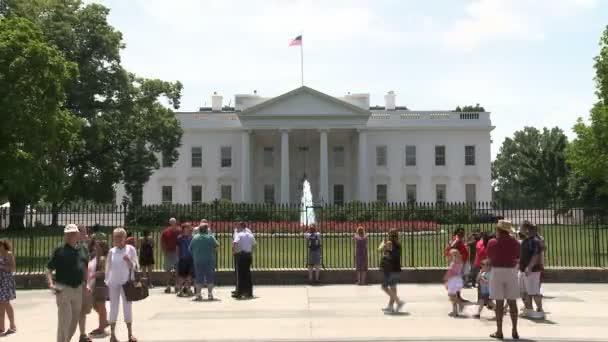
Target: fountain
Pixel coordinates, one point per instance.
(307, 212)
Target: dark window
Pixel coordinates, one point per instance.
(380, 155)
(410, 155)
(381, 192)
(226, 156)
(440, 193)
(197, 156)
(197, 194)
(269, 193)
(338, 194)
(167, 194)
(469, 155)
(226, 192)
(440, 155)
(410, 193)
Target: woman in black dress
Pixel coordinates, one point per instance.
(146, 256)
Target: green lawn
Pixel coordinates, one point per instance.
(567, 246)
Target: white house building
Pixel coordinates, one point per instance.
(261, 150)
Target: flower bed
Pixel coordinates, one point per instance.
(329, 226)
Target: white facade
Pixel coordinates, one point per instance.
(262, 149)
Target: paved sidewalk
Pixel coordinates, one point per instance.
(577, 312)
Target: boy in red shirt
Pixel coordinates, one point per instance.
(168, 243)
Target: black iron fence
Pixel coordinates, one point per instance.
(575, 237)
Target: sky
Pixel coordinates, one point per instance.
(529, 62)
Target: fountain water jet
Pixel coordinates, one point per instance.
(307, 213)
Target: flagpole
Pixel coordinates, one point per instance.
(302, 61)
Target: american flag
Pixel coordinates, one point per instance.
(296, 41)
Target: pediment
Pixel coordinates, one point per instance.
(304, 102)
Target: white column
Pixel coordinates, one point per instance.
(323, 172)
(285, 166)
(246, 166)
(363, 178)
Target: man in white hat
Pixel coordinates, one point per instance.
(70, 273)
(503, 252)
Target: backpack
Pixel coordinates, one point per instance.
(314, 242)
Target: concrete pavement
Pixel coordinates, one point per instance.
(577, 312)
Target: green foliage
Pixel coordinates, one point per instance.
(476, 108)
(588, 153)
(36, 132)
(530, 168)
(125, 126)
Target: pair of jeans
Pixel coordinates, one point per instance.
(244, 284)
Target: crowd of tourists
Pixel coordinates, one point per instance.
(85, 272)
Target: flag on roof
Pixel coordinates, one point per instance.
(296, 41)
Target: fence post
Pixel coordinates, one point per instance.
(30, 266)
(596, 237)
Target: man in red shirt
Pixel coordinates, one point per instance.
(503, 252)
(168, 243)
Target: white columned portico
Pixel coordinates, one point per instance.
(363, 178)
(246, 166)
(323, 168)
(284, 166)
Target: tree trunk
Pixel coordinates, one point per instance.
(55, 207)
(17, 212)
(135, 193)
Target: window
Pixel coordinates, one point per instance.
(410, 193)
(197, 194)
(268, 156)
(269, 193)
(226, 192)
(410, 155)
(339, 156)
(440, 155)
(440, 190)
(470, 193)
(469, 155)
(380, 155)
(381, 192)
(165, 162)
(338, 194)
(197, 156)
(167, 194)
(226, 156)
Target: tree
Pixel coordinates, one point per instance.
(116, 109)
(531, 169)
(36, 130)
(588, 153)
(476, 108)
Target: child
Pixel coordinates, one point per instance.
(314, 254)
(483, 279)
(146, 256)
(7, 286)
(361, 255)
(453, 281)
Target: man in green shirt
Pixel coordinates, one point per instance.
(70, 273)
(203, 248)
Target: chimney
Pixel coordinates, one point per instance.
(216, 102)
(389, 100)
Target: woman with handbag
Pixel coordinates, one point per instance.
(97, 286)
(120, 265)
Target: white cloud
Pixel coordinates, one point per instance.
(492, 20)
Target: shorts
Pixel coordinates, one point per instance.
(314, 258)
(87, 302)
(454, 285)
(185, 267)
(170, 261)
(205, 272)
(504, 284)
(391, 280)
(530, 284)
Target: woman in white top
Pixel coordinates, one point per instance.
(121, 262)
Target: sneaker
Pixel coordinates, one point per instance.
(539, 315)
(198, 298)
(388, 309)
(98, 333)
(168, 289)
(400, 305)
(210, 296)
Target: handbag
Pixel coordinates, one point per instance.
(135, 289)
